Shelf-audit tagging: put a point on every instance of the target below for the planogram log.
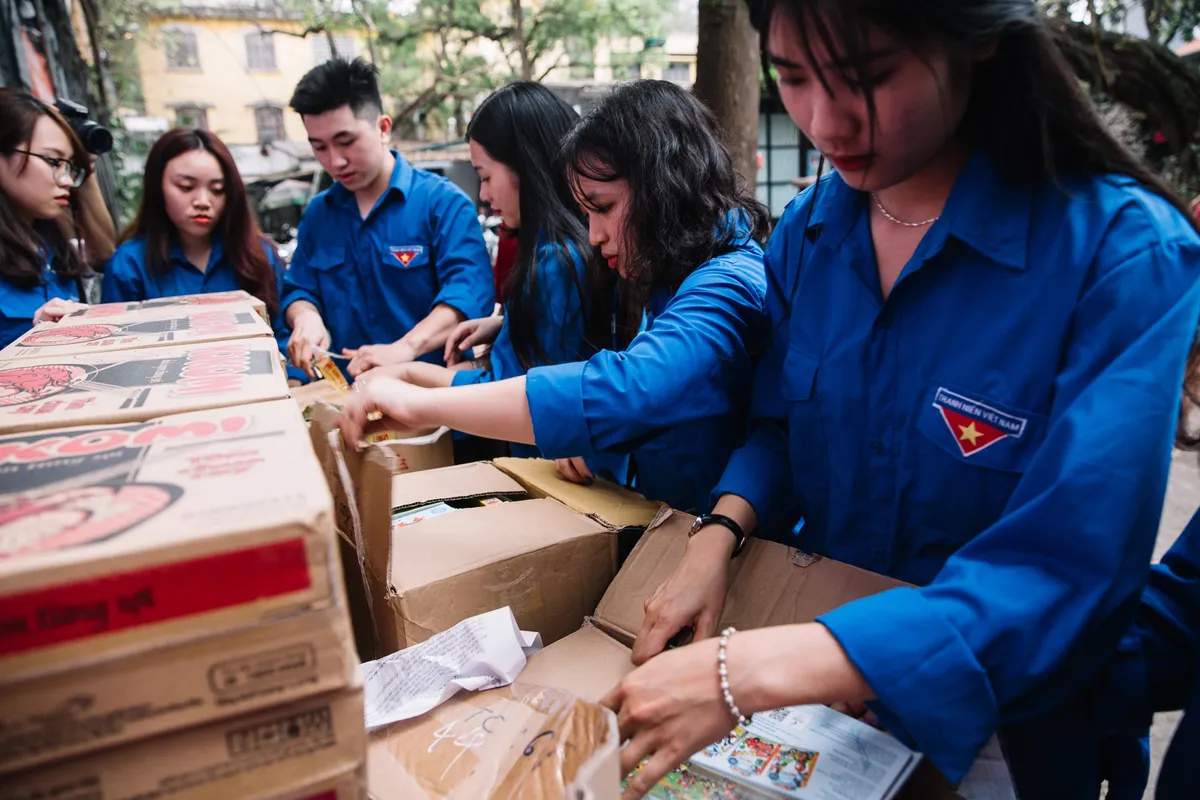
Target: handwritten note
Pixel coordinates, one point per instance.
(479, 653)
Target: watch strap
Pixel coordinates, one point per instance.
(726, 522)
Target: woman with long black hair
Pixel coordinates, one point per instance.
(514, 137)
(981, 326)
(195, 232)
(43, 170)
(679, 308)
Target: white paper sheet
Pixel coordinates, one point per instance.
(479, 653)
(988, 778)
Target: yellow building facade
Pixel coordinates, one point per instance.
(231, 72)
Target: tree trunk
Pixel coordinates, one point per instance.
(519, 41)
(727, 70)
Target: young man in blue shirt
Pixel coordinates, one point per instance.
(390, 259)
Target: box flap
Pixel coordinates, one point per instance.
(452, 544)
(587, 663)
(769, 584)
(613, 505)
(451, 483)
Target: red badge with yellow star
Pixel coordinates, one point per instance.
(406, 254)
(973, 424)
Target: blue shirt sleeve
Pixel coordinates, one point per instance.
(675, 372)
(125, 275)
(300, 280)
(279, 321)
(759, 471)
(1020, 617)
(464, 270)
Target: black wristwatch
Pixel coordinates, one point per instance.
(725, 522)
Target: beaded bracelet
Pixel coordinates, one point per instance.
(722, 672)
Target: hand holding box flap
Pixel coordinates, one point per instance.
(519, 741)
(607, 502)
(479, 653)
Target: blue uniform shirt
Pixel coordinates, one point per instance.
(374, 279)
(999, 429)
(676, 398)
(1157, 668)
(560, 334)
(17, 305)
(128, 278)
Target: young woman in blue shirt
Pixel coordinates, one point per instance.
(195, 232)
(980, 330)
(44, 169)
(514, 137)
(678, 300)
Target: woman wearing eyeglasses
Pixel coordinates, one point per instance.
(42, 163)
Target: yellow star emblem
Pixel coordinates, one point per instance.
(970, 434)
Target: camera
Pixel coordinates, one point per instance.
(95, 137)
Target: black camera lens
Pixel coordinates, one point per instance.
(95, 137)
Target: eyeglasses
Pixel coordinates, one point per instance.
(64, 168)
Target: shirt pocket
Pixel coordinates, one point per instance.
(406, 257)
(978, 430)
(328, 259)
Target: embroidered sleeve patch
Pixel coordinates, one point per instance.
(406, 253)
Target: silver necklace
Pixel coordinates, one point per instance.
(890, 218)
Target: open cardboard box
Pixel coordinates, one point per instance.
(770, 584)
(166, 327)
(105, 310)
(548, 552)
(518, 741)
(134, 385)
(119, 541)
(314, 748)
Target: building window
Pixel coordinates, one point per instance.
(269, 122)
(321, 52)
(678, 71)
(260, 51)
(191, 116)
(180, 45)
(787, 155)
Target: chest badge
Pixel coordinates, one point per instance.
(975, 425)
(407, 253)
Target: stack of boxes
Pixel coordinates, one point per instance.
(172, 615)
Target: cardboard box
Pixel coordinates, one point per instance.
(350, 785)
(149, 693)
(118, 540)
(503, 743)
(168, 327)
(769, 585)
(549, 554)
(128, 386)
(287, 751)
(103, 310)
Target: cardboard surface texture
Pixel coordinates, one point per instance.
(174, 326)
(294, 751)
(550, 563)
(505, 743)
(277, 662)
(117, 540)
(135, 385)
(104, 310)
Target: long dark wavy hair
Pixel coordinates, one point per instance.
(686, 204)
(236, 227)
(20, 262)
(1027, 109)
(522, 126)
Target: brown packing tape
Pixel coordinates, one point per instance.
(518, 741)
(273, 753)
(111, 703)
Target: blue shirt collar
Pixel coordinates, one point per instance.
(984, 211)
(400, 181)
(215, 257)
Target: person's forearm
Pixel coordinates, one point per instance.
(715, 540)
(431, 333)
(99, 233)
(497, 410)
(790, 665)
(297, 309)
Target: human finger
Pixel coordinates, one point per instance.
(565, 468)
(661, 762)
